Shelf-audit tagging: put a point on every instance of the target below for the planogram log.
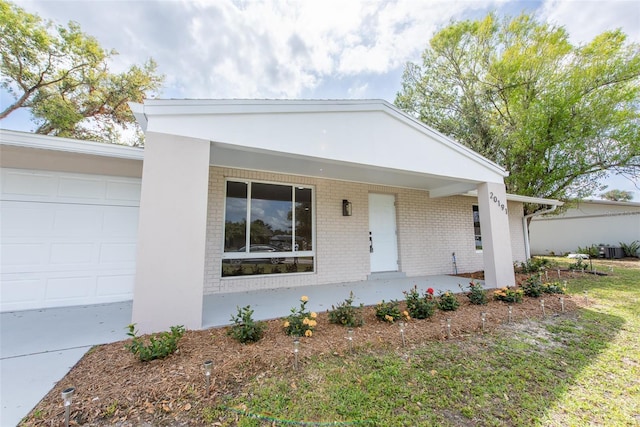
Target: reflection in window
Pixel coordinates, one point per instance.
(280, 219)
(476, 228)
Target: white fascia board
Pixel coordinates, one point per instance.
(191, 107)
(54, 143)
(138, 112)
(524, 199)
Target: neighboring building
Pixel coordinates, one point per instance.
(244, 195)
(585, 223)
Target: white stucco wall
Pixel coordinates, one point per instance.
(583, 225)
(429, 231)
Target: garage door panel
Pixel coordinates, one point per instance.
(115, 285)
(63, 242)
(69, 288)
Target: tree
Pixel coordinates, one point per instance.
(61, 75)
(558, 117)
(617, 195)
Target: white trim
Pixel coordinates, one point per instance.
(54, 143)
(523, 199)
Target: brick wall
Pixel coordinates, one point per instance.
(429, 231)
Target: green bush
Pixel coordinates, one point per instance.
(580, 264)
(631, 250)
(388, 311)
(534, 265)
(592, 251)
(532, 287)
(420, 307)
(553, 288)
(159, 345)
(244, 328)
(300, 322)
(508, 294)
(476, 294)
(346, 313)
(448, 302)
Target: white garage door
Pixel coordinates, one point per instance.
(66, 239)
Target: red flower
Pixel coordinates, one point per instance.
(430, 291)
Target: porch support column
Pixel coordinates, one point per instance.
(172, 232)
(496, 238)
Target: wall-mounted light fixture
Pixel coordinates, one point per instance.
(346, 208)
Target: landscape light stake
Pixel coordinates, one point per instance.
(401, 325)
(558, 273)
(544, 314)
(510, 314)
(67, 396)
(562, 304)
(448, 328)
(546, 275)
(208, 365)
(611, 269)
(296, 350)
(350, 339)
(483, 317)
(586, 298)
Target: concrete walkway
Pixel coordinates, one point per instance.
(39, 347)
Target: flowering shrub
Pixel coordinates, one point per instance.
(300, 322)
(157, 346)
(476, 294)
(420, 307)
(388, 311)
(553, 288)
(346, 313)
(508, 295)
(448, 302)
(532, 287)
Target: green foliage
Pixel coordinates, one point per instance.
(62, 76)
(420, 307)
(580, 264)
(534, 265)
(346, 313)
(388, 311)
(476, 294)
(448, 302)
(532, 287)
(301, 322)
(558, 116)
(617, 195)
(158, 346)
(592, 251)
(508, 294)
(244, 328)
(553, 288)
(631, 249)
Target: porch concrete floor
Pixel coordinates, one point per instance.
(38, 347)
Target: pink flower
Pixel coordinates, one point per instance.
(430, 291)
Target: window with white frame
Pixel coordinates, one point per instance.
(476, 228)
(268, 229)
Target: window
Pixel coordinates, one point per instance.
(476, 228)
(268, 229)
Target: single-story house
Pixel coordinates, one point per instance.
(238, 195)
(585, 223)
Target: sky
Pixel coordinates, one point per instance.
(301, 49)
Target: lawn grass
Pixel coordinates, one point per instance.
(576, 369)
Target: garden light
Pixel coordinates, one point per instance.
(586, 298)
(296, 350)
(546, 275)
(350, 339)
(562, 304)
(208, 365)
(544, 314)
(558, 273)
(401, 326)
(67, 396)
(510, 314)
(483, 317)
(448, 328)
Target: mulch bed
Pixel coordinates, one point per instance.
(114, 388)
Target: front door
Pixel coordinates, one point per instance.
(382, 233)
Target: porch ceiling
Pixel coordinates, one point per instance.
(225, 155)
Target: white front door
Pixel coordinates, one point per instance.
(382, 233)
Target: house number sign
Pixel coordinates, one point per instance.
(497, 201)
